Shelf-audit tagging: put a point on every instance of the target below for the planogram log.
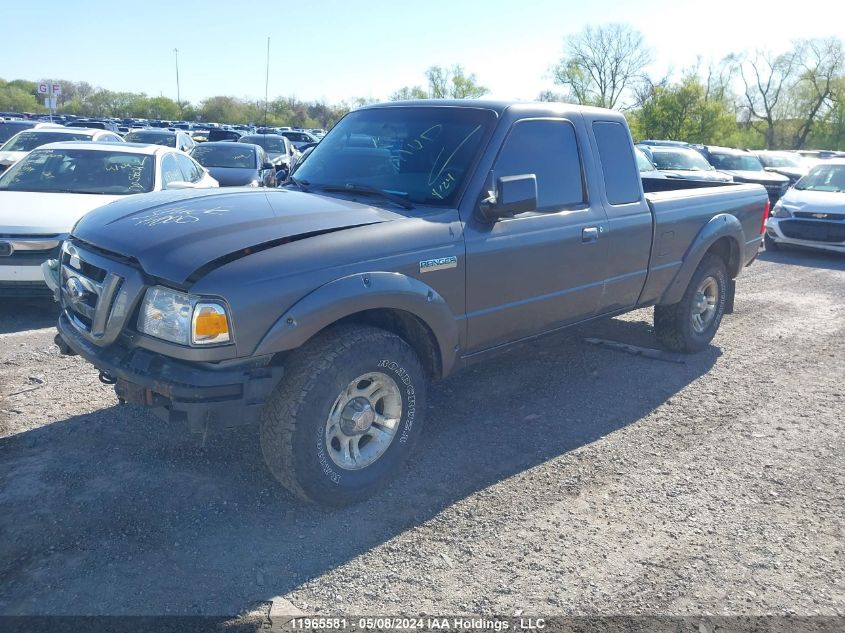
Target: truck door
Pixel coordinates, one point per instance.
(629, 227)
(540, 270)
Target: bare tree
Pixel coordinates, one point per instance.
(444, 83)
(601, 64)
(767, 79)
(821, 64)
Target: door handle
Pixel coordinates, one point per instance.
(590, 234)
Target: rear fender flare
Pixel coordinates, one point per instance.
(359, 292)
(722, 225)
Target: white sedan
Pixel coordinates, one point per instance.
(17, 147)
(812, 213)
(44, 194)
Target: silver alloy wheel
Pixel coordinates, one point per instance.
(363, 421)
(704, 304)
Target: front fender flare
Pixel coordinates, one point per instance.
(722, 225)
(364, 291)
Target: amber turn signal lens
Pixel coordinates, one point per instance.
(210, 324)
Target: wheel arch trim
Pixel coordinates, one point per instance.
(722, 226)
(362, 292)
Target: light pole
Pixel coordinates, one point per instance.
(178, 93)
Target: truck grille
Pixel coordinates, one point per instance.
(97, 294)
(816, 231)
(813, 214)
(27, 250)
(88, 292)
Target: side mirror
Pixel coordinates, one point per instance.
(267, 166)
(180, 184)
(514, 194)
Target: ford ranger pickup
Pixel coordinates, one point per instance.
(414, 239)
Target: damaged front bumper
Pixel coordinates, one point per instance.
(207, 396)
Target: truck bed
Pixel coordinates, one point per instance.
(679, 214)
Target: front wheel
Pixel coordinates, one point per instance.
(345, 416)
(690, 324)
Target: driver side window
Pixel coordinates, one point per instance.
(549, 150)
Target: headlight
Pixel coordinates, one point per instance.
(183, 318)
(780, 211)
(253, 183)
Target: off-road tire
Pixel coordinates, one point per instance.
(673, 323)
(293, 422)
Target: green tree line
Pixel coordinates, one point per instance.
(82, 99)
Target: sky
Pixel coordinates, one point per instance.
(334, 50)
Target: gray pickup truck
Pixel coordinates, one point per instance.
(416, 238)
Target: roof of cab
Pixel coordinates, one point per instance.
(500, 106)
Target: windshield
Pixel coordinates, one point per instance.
(737, 162)
(680, 160)
(824, 178)
(152, 138)
(80, 171)
(26, 141)
(781, 160)
(271, 144)
(643, 163)
(234, 155)
(423, 154)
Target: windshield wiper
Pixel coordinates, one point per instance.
(366, 189)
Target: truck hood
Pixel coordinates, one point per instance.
(173, 234)
(37, 213)
(814, 201)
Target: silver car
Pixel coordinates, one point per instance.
(812, 213)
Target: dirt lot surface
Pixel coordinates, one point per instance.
(560, 478)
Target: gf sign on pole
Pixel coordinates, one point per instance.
(49, 89)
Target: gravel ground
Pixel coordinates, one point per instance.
(559, 478)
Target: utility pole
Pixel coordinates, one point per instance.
(178, 93)
(267, 82)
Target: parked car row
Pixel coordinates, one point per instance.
(63, 174)
(53, 175)
(23, 142)
(713, 163)
(278, 149)
(806, 189)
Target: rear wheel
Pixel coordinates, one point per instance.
(345, 416)
(690, 324)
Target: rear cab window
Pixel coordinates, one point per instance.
(621, 177)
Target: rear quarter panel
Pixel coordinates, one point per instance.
(680, 216)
